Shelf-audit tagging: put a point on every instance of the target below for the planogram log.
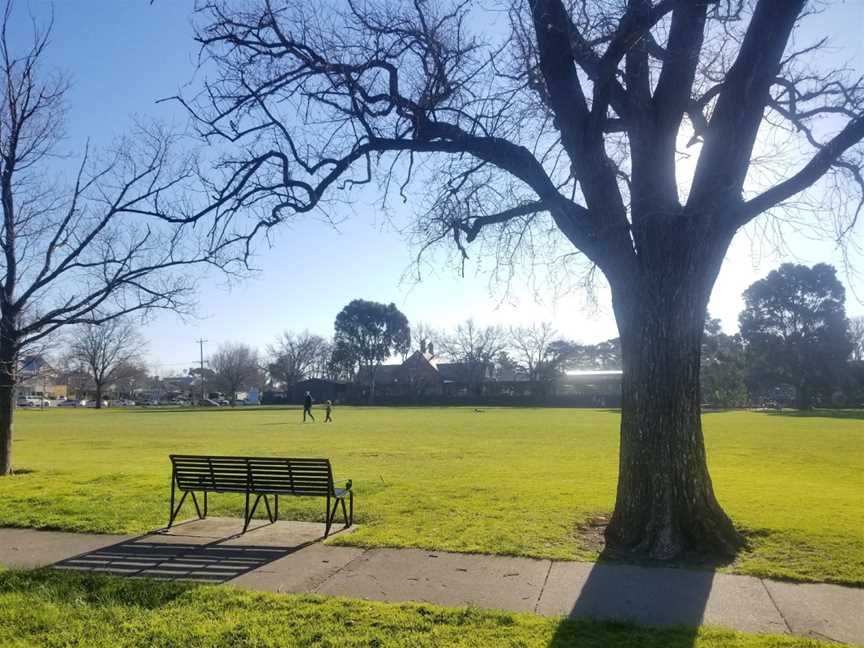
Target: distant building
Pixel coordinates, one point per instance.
(421, 378)
(320, 389)
(603, 387)
(36, 377)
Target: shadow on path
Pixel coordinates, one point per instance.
(647, 596)
(167, 557)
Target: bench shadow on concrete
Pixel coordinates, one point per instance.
(167, 557)
(643, 596)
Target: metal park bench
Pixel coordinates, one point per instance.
(259, 476)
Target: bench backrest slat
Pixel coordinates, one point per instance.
(278, 475)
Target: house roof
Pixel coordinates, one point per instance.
(32, 365)
(454, 371)
(383, 373)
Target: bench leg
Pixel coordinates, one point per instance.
(205, 504)
(175, 511)
(327, 517)
(276, 508)
(344, 512)
(197, 508)
(171, 506)
(269, 512)
(252, 512)
(350, 508)
(331, 514)
(246, 516)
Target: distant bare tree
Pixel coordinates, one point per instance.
(476, 348)
(856, 335)
(106, 351)
(236, 368)
(131, 376)
(295, 357)
(427, 338)
(633, 134)
(125, 235)
(531, 349)
(321, 364)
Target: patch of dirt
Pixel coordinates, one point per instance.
(590, 532)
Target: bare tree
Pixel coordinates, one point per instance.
(427, 338)
(321, 363)
(131, 376)
(107, 352)
(475, 348)
(296, 356)
(856, 335)
(531, 349)
(562, 133)
(126, 234)
(236, 368)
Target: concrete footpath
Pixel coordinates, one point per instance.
(289, 557)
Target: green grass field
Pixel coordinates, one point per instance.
(45, 608)
(507, 481)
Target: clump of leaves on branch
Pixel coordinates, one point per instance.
(558, 126)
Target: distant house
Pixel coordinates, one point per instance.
(462, 372)
(36, 377)
(603, 386)
(320, 389)
(421, 378)
(184, 387)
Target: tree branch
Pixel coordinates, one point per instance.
(827, 156)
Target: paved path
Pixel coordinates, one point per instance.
(289, 557)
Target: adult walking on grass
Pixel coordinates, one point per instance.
(307, 407)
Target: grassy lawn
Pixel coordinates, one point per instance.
(44, 608)
(510, 481)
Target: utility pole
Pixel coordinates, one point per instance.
(201, 348)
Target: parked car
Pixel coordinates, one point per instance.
(93, 404)
(223, 402)
(71, 402)
(207, 402)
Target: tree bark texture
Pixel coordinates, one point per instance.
(7, 405)
(665, 505)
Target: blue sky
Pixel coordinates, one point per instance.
(123, 55)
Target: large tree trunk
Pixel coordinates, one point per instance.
(803, 396)
(7, 409)
(98, 396)
(665, 506)
(7, 405)
(372, 371)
